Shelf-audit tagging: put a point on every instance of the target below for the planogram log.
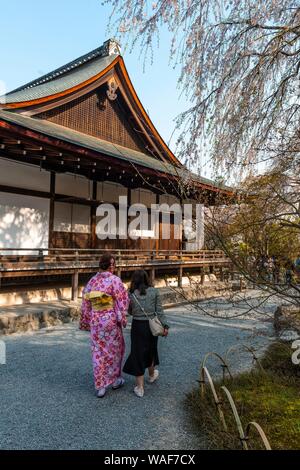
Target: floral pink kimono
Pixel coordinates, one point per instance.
(104, 305)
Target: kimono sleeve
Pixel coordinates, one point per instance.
(86, 313)
(122, 301)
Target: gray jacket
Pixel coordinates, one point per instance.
(151, 303)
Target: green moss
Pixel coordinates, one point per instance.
(270, 397)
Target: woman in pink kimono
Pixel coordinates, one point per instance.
(104, 306)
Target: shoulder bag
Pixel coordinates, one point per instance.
(156, 326)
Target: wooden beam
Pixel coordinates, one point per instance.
(35, 137)
(75, 278)
(46, 195)
(129, 201)
(88, 157)
(129, 196)
(180, 270)
(202, 277)
(182, 231)
(51, 208)
(23, 191)
(93, 216)
(11, 142)
(157, 199)
(152, 276)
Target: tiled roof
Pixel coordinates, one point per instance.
(98, 145)
(67, 76)
(50, 87)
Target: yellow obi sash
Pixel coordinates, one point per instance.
(100, 300)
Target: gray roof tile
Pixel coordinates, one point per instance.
(102, 146)
(64, 81)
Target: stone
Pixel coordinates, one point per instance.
(32, 317)
(287, 321)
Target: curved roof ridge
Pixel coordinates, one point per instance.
(59, 84)
(109, 47)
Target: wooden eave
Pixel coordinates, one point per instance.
(18, 140)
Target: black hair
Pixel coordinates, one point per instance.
(105, 261)
(139, 281)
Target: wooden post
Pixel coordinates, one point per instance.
(118, 260)
(202, 277)
(75, 285)
(51, 209)
(93, 217)
(221, 274)
(180, 270)
(129, 196)
(157, 231)
(181, 244)
(152, 276)
(128, 241)
(75, 278)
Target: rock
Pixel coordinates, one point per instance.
(289, 335)
(287, 321)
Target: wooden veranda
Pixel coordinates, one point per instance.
(33, 263)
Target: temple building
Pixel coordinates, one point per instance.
(74, 138)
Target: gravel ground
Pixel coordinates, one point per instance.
(47, 398)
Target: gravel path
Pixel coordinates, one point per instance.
(47, 398)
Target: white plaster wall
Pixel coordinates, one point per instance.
(71, 218)
(81, 219)
(62, 217)
(73, 185)
(24, 221)
(143, 196)
(110, 192)
(23, 176)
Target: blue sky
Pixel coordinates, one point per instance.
(38, 36)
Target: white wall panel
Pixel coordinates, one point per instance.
(62, 217)
(110, 192)
(23, 176)
(71, 218)
(24, 221)
(143, 196)
(72, 185)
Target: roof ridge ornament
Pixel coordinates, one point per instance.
(108, 48)
(111, 47)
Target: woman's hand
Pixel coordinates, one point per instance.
(166, 332)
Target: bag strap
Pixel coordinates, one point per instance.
(141, 307)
